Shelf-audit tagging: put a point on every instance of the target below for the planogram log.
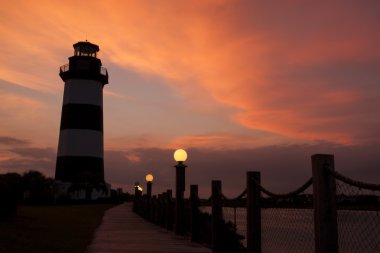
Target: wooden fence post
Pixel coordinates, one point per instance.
(159, 209)
(194, 210)
(163, 210)
(253, 212)
(154, 209)
(217, 214)
(148, 199)
(169, 210)
(325, 215)
(148, 207)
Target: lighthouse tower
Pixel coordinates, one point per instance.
(80, 146)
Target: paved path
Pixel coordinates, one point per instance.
(124, 231)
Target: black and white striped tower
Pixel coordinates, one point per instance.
(80, 146)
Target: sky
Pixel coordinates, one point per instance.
(241, 85)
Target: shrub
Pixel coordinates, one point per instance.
(10, 194)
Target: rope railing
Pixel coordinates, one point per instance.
(357, 206)
(277, 221)
(363, 185)
(239, 197)
(289, 194)
(224, 198)
(205, 202)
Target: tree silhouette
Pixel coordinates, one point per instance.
(10, 194)
(37, 188)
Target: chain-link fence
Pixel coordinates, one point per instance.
(336, 214)
(235, 212)
(358, 215)
(238, 217)
(287, 223)
(287, 230)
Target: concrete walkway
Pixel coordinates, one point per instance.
(124, 231)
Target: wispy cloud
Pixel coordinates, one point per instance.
(7, 140)
(20, 158)
(307, 75)
(309, 80)
(217, 75)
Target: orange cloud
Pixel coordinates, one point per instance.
(27, 118)
(308, 75)
(226, 141)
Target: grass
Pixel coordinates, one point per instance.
(42, 229)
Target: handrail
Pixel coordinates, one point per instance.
(289, 194)
(240, 196)
(363, 185)
(103, 71)
(64, 68)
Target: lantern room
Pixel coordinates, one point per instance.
(85, 49)
(84, 64)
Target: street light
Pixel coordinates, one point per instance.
(149, 180)
(136, 186)
(137, 196)
(138, 190)
(180, 156)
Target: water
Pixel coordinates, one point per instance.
(292, 230)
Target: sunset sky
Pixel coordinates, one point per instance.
(242, 85)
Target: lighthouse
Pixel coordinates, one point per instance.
(80, 155)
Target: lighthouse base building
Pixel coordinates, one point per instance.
(80, 157)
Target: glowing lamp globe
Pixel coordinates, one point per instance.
(139, 188)
(149, 178)
(180, 155)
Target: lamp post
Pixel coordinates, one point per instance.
(136, 198)
(149, 180)
(137, 185)
(180, 156)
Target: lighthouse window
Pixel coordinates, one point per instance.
(85, 50)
